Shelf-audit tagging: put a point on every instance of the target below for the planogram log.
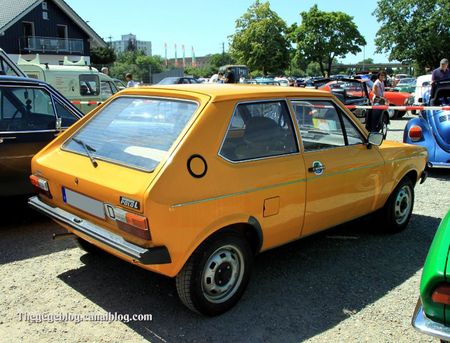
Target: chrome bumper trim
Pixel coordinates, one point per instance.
(425, 325)
(156, 255)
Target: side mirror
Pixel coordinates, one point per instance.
(375, 138)
(420, 100)
(58, 123)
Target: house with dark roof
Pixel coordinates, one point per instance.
(50, 28)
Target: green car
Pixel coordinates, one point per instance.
(432, 313)
(407, 85)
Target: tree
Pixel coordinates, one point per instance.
(414, 29)
(218, 60)
(103, 56)
(138, 64)
(323, 36)
(366, 61)
(260, 40)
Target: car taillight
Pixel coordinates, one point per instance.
(415, 133)
(132, 223)
(441, 294)
(40, 185)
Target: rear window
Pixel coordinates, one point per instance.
(131, 131)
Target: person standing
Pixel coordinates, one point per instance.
(130, 81)
(378, 89)
(439, 74)
(229, 76)
(442, 72)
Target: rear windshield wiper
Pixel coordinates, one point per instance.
(88, 150)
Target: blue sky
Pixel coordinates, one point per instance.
(205, 25)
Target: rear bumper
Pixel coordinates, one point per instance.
(425, 325)
(155, 255)
(438, 165)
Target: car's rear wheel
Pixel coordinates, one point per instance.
(88, 247)
(216, 275)
(397, 211)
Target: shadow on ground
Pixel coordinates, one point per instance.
(439, 174)
(24, 233)
(296, 291)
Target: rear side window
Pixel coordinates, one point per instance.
(89, 85)
(133, 131)
(26, 109)
(259, 130)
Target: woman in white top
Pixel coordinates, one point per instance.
(378, 90)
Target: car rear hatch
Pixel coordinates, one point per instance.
(102, 172)
(440, 121)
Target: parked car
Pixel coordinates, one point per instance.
(8, 67)
(399, 77)
(262, 81)
(77, 82)
(407, 85)
(32, 114)
(431, 315)
(355, 92)
(192, 181)
(177, 80)
(423, 84)
(432, 128)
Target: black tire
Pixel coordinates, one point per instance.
(399, 114)
(224, 258)
(88, 247)
(397, 211)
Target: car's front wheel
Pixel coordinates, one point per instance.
(384, 125)
(216, 275)
(397, 211)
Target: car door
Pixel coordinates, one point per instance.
(27, 123)
(344, 177)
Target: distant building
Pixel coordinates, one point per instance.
(129, 41)
(50, 28)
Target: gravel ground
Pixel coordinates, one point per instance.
(320, 289)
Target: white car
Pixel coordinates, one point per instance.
(423, 84)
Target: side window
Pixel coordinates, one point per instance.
(353, 135)
(259, 130)
(89, 85)
(67, 117)
(319, 124)
(26, 109)
(106, 89)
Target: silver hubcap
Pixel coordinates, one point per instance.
(223, 274)
(384, 128)
(403, 204)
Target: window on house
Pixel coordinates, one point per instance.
(44, 6)
(45, 15)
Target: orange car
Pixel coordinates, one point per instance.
(191, 181)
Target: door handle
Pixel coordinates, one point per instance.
(2, 139)
(317, 168)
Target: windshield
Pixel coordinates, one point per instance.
(132, 131)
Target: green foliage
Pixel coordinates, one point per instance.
(206, 71)
(218, 60)
(366, 61)
(138, 64)
(414, 29)
(324, 36)
(260, 40)
(103, 56)
(313, 69)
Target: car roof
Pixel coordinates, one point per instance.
(222, 92)
(18, 79)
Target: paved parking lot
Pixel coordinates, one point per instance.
(351, 283)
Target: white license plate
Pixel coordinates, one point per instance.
(83, 203)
